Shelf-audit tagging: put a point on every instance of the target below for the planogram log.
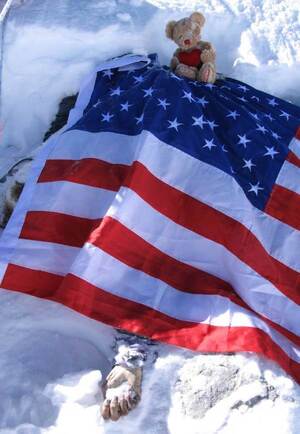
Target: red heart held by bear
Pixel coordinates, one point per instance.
(190, 58)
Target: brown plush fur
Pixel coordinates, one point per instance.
(12, 196)
(189, 29)
(15, 188)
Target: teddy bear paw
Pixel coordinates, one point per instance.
(207, 73)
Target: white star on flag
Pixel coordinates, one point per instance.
(97, 103)
(233, 115)
(148, 92)
(224, 97)
(163, 103)
(255, 188)
(255, 116)
(188, 95)
(270, 117)
(174, 124)
(116, 91)
(248, 164)
(138, 79)
(285, 115)
(270, 151)
(209, 85)
(106, 117)
(108, 73)
(224, 149)
(275, 135)
(202, 101)
(243, 140)
(125, 106)
(212, 124)
(255, 97)
(242, 99)
(209, 144)
(272, 102)
(261, 128)
(175, 76)
(244, 88)
(140, 119)
(199, 121)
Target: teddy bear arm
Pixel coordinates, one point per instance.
(174, 63)
(204, 45)
(174, 60)
(208, 56)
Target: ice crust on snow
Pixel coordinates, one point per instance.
(52, 359)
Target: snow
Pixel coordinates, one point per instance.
(52, 359)
(53, 44)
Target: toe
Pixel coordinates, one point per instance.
(105, 411)
(124, 405)
(114, 409)
(133, 399)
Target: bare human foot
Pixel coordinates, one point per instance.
(122, 392)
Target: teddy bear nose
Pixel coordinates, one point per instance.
(187, 41)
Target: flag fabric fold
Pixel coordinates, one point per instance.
(168, 208)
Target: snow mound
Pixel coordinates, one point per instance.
(49, 46)
(53, 359)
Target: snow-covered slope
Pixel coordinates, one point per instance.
(52, 359)
(50, 45)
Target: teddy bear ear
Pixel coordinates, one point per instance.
(170, 29)
(198, 18)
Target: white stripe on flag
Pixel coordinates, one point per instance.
(192, 176)
(185, 246)
(295, 146)
(40, 255)
(107, 273)
(71, 198)
(111, 147)
(289, 177)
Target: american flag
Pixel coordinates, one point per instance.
(171, 209)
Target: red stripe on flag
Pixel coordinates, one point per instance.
(298, 133)
(58, 228)
(137, 318)
(123, 244)
(140, 319)
(292, 158)
(34, 282)
(88, 171)
(195, 216)
(284, 205)
(214, 225)
(44, 284)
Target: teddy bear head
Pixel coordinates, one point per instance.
(187, 31)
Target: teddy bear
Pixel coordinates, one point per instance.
(194, 59)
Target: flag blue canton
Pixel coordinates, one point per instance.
(230, 125)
